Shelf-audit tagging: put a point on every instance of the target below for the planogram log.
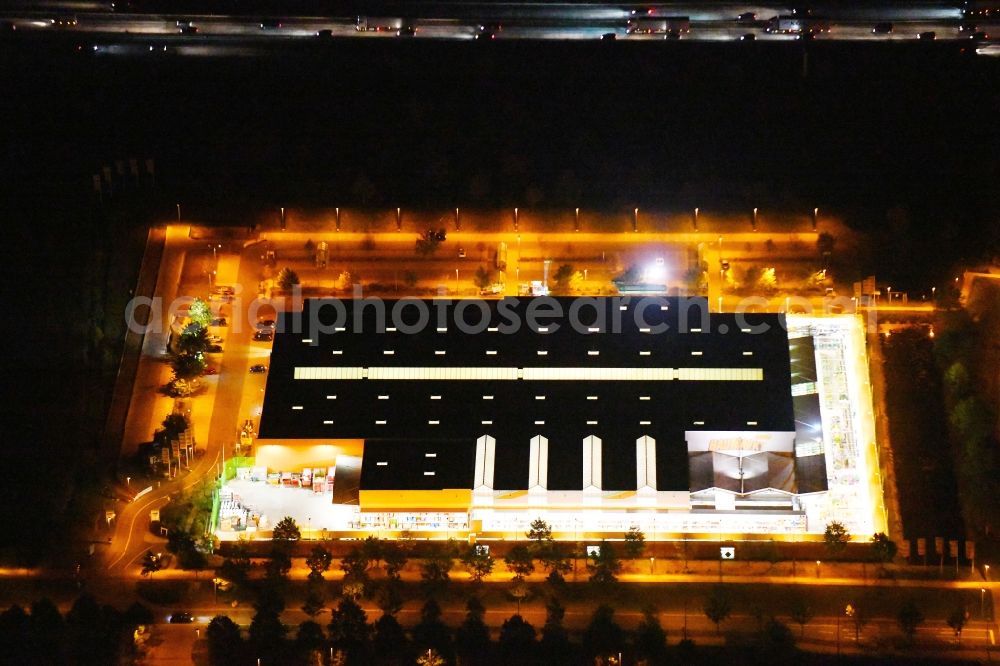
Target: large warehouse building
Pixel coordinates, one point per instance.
(596, 414)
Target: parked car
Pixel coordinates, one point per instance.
(258, 369)
(263, 336)
(218, 321)
(181, 617)
(265, 325)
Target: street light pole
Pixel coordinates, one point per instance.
(754, 223)
(635, 220)
(696, 218)
(815, 217)
(337, 209)
(178, 212)
(576, 222)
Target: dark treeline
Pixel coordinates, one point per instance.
(89, 633)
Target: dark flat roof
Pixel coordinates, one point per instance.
(517, 410)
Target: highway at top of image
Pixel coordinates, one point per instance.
(120, 32)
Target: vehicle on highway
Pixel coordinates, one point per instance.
(64, 21)
(258, 369)
(967, 28)
(180, 617)
(324, 34)
(746, 17)
(979, 36)
(929, 35)
(648, 25)
(748, 37)
(182, 23)
(189, 30)
(263, 336)
(377, 24)
(609, 36)
(807, 35)
(882, 28)
(783, 25)
(406, 31)
(486, 36)
(6, 27)
(490, 27)
(672, 34)
(640, 11)
(270, 24)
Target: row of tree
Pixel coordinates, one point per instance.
(90, 633)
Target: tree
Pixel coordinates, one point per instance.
(313, 604)
(395, 558)
(225, 644)
(200, 313)
(435, 567)
(286, 278)
(286, 530)
(187, 366)
(603, 636)
(909, 618)
(555, 558)
(835, 538)
(319, 561)
(472, 639)
(777, 639)
(478, 560)
(482, 278)
(267, 634)
(566, 279)
(349, 630)
(46, 633)
(801, 613)
(388, 597)
(151, 563)
(604, 565)
(956, 620)
(718, 607)
(883, 548)
(310, 640)
(355, 565)
(540, 532)
(429, 240)
(390, 642)
(635, 542)
(520, 562)
(431, 633)
(193, 340)
(650, 638)
(236, 567)
(517, 641)
(555, 647)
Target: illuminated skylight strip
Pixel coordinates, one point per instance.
(530, 374)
